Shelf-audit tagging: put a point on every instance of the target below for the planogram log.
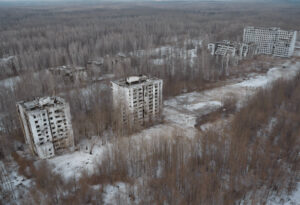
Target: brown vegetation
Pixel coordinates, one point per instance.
(250, 159)
(215, 168)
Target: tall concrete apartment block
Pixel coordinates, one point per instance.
(271, 41)
(46, 124)
(137, 100)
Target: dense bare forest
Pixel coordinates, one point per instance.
(212, 168)
(242, 162)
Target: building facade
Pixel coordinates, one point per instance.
(227, 48)
(46, 124)
(71, 74)
(137, 100)
(271, 41)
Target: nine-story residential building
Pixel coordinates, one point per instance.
(271, 41)
(137, 100)
(46, 123)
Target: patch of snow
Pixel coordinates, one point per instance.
(9, 82)
(6, 60)
(272, 75)
(159, 169)
(180, 118)
(72, 164)
(201, 105)
(158, 61)
(182, 111)
(13, 183)
(116, 194)
(180, 114)
(206, 126)
(285, 199)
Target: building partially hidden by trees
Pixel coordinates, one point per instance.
(271, 41)
(231, 49)
(70, 74)
(137, 101)
(46, 124)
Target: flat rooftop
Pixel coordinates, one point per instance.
(39, 103)
(134, 80)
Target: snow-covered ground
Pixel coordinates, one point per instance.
(116, 194)
(285, 199)
(71, 165)
(12, 181)
(180, 114)
(6, 59)
(183, 110)
(9, 83)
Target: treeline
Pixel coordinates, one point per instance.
(256, 156)
(43, 38)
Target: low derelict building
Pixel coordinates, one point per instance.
(137, 100)
(231, 49)
(271, 41)
(71, 74)
(46, 124)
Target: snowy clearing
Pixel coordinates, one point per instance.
(71, 165)
(285, 199)
(180, 114)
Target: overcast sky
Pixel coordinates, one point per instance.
(94, 1)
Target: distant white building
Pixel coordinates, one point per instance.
(271, 41)
(230, 49)
(137, 100)
(46, 123)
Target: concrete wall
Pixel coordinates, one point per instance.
(47, 128)
(140, 103)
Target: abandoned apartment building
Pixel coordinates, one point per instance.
(231, 49)
(271, 41)
(138, 99)
(71, 74)
(46, 124)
